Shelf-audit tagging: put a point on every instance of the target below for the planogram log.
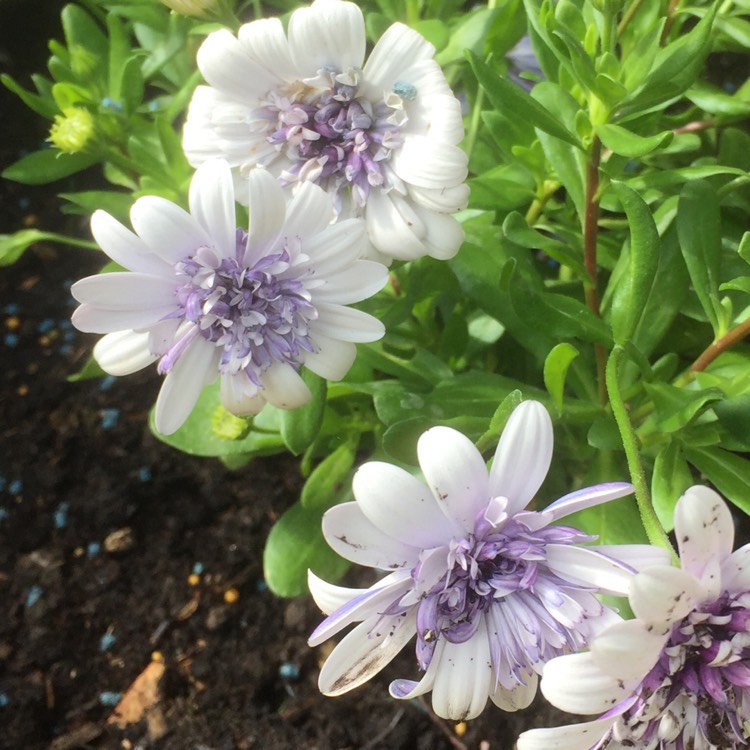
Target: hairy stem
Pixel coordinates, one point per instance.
(655, 532)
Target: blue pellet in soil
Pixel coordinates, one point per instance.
(110, 418)
(46, 325)
(198, 568)
(107, 641)
(109, 698)
(261, 585)
(15, 487)
(3, 513)
(144, 474)
(61, 515)
(107, 382)
(69, 336)
(23, 203)
(93, 549)
(65, 324)
(4, 700)
(11, 340)
(11, 309)
(65, 349)
(289, 671)
(34, 595)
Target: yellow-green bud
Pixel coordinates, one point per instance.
(191, 7)
(72, 130)
(83, 63)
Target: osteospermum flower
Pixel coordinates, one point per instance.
(381, 139)
(209, 300)
(677, 677)
(490, 590)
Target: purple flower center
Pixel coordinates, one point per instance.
(697, 693)
(486, 570)
(256, 314)
(333, 135)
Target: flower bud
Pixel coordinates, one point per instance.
(72, 130)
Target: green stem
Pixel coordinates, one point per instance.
(628, 17)
(544, 193)
(476, 117)
(412, 11)
(654, 530)
(671, 12)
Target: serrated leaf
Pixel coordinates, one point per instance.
(294, 545)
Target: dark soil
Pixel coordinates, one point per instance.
(102, 527)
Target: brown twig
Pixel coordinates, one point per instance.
(671, 11)
(727, 341)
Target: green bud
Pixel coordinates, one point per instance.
(72, 130)
(82, 62)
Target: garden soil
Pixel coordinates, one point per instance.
(133, 610)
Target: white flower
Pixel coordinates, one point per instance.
(381, 139)
(207, 299)
(490, 590)
(676, 677)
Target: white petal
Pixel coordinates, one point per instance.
(349, 533)
(226, 65)
(523, 455)
(705, 535)
(212, 204)
(124, 290)
(662, 595)
(446, 200)
(372, 601)
(347, 324)
(462, 683)
(587, 566)
(444, 235)
(397, 50)
(183, 385)
(517, 698)
(430, 164)
(124, 352)
(336, 246)
(332, 358)
(628, 649)
(456, 473)
(267, 208)
(572, 737)
(199, 140)
(574, 683)
(392, 232)
(362, 653)
(264, 40)
(327, 596)
(736, 571)
(124, 247)
(169, 231)
(240, 396)
(328, 33)
(637, 556)
(401, 506)
(587, 497)
(445, 118)
(310, 211)
(408, 689)
(360, 280)
(92, 319)
(283, 387)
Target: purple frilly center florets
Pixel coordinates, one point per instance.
(256, 314)
(487, 569)
(333, 134)
(696, 696)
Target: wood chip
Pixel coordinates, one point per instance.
(76, 738)
(140, 697)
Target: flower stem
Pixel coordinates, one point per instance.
(476, 117)
(729, 339)
(590, 236)
(655, 532)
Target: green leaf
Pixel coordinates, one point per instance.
(626, 143)
(670, 479)
(45, 166)
(507, 97)
(729, 473)
(490, 438)
(555, 370)
(734, 416)
(699, 229)
(677, 407)
(470, 34)
(81, 30)
(675, 69)
(12, 246)
(329, 478)
(712, 99)
(634, 287)
(294, 545)
(86, 202)
(196, 437)
(400, 439)
(300, 426)
(39, 104)
(89, 371)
